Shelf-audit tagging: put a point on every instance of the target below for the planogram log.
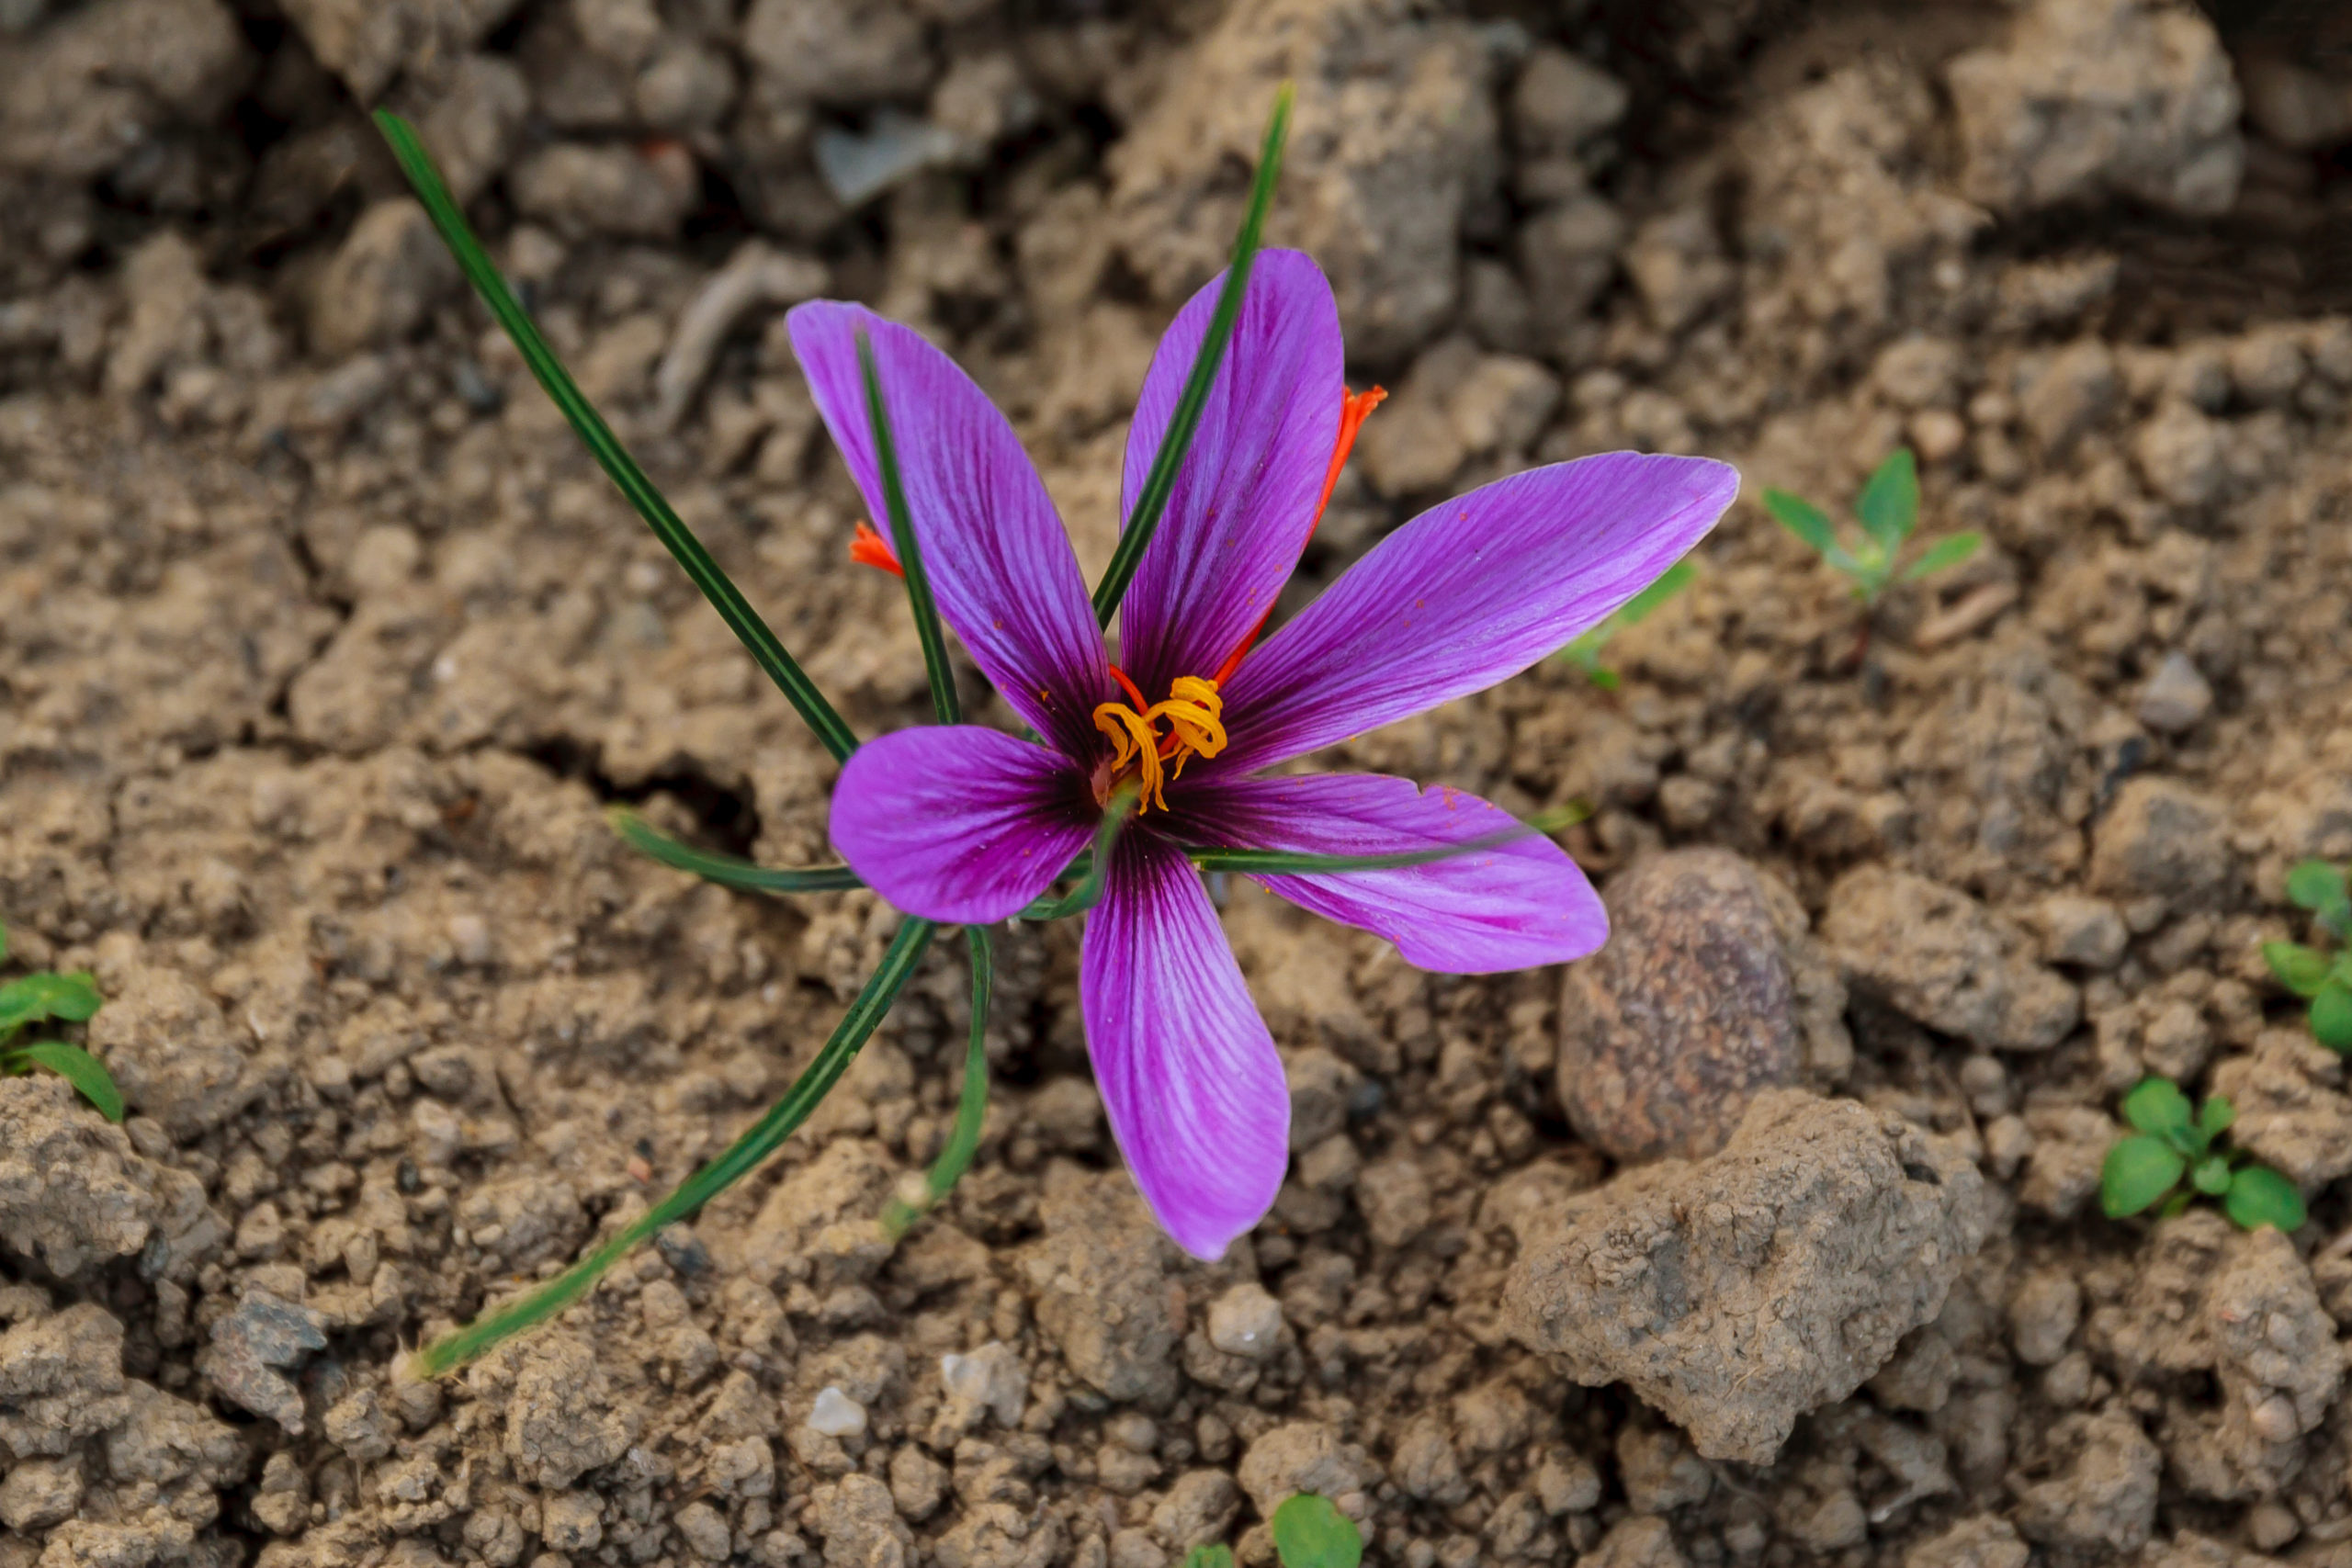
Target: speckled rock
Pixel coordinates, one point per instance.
(1735, 1293)
(1668, 1031)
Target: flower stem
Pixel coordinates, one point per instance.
(971, 1108)
(903, 538)
(740, 1158)
(766, 650)
(1185, 422)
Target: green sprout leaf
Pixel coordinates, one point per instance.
(2260, 1196)
(32, 999)
(2331, 1015)
(2156, 1106)
(1585, 651)
(1159, 483)
(2316, 885)
(1808, 522)
(758, 638)
(1943, 555)
(2300, 969)
(1311, 1532)
(2215, 1117)
(2139, 1170)
(2210, 1176)
(84, 1072)
(1215, 1554)
(1889, 504)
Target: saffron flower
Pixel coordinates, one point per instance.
(968, 825)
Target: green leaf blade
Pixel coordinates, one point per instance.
(1184, 422)
(1311, 1532)
(2210, 1176)
(2216, 1116)
(76, 1066)
(35, 998)
(2316, 885)
(2138, 1172)
(725, 870)
(1667, 584)
(2259, 1196)
(1810, 523)
(945, 705)
(2300, 969)
(1945, 554)
(1889, 504)
(758, 638)
(2156, 1106)
(2331, 1015)
(1215, 1554)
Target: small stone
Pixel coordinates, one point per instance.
(571, 1522)
(2183, 453)
(835, 1413)
(2300, 108)
(1301, 1456)
(1982, 1542)
(2160, 840)
(2088, 933)
(2176, 697)
(1246, 1320)
(250, 1345)
(617, 190)
(703, 1530)
(383, 281)
(1670, 1031)
(990, 1380)
(1661, 1278)
(2042, 1316)
(1560, 101)
(1935, 954)
(39, 1493)
(1394, 1194)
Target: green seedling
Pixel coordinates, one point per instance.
(1585, 652)
(1310, 1532)
(63, 998)
(1888, 509)
(2171, 1161)
(2323, 979)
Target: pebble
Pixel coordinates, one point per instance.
(2176, 697)
(835, 1413)
(1670, 1031)
(1245, 1321)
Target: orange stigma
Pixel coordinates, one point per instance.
(867, 548)
(1194, 716)
(1355, 408)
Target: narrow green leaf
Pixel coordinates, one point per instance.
(1665, 586)
(3, 942)
(2157, 1106)
(30, 999)
(1311, 1532)
(2216, 1116)
(2316, 885)
(2331, 1016)
(739, 1158)
(944, 703)
(2300, 969)
(2137, 1172)
(1116, 812)
(1889, 504)
(725, 870)
(766, 650)
(1944, 554)
(1185, 422)
(1215, 1554)
(84, 1072)
(971, 1107)
(2210, 1176)
(2260, 1196)
(1808, 522)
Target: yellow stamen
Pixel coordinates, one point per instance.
(1193, 713)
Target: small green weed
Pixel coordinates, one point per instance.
(2171, 1160)
(1585, 652)
(1888, 509)
(1310, 1532)
(2319, 978)
(67, 998)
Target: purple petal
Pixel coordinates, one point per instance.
(1466, 594)
(957, 823)
(1188, 1073)
(1244, 501)
(1511, 906)
(1000, 566)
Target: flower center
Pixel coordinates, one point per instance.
(1148, 754)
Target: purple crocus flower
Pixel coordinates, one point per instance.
(962, 824)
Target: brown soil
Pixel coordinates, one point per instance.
(324, 643)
